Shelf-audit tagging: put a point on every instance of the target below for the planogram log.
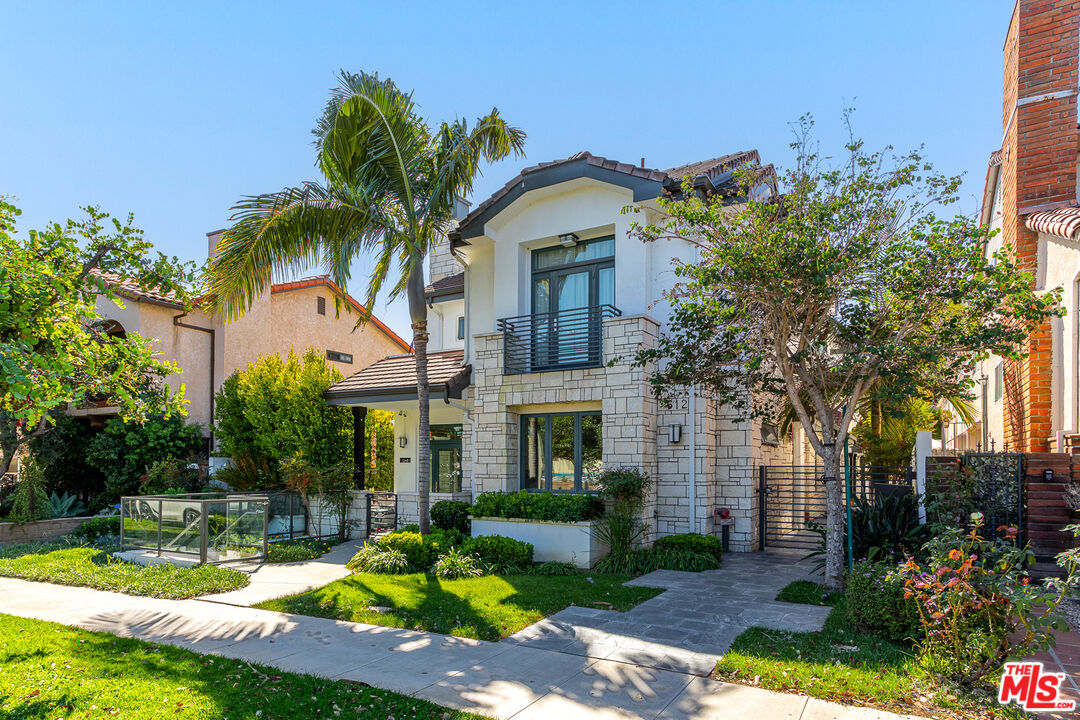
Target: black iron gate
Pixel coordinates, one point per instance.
(791, 499)
(997, 490)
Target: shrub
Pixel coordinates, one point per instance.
(168, 475)
(549, 506)
(66, 506)
(31, 501)
(555, 568)
(976, 605)
(887, 527)
(421, 551)
(289, 551)
(505, 554)
(447, 538)
(621, 528)
(457, 564)
(692, 541)
(61, 452)
(625, 487)
(451, 515)
(641, 561)
(123, 451)
(374, 559)
(96, 528)
(876, 602)
(250, 470)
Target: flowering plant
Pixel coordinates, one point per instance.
(976, 604)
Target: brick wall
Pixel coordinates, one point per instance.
(1038, 171)
(41, 530)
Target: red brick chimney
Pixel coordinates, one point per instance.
(1038, 172)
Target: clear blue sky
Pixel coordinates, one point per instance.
(173, 111)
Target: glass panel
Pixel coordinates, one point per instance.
(447, 464)
(445, 432)
(140, 518)
(562, 452)
(606, 291)
(582, 252)
(592, 450)
(541, 295)
(573, 290)
(180, 526)
(534, 432)
(235, 530)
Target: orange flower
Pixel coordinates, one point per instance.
(955, 554)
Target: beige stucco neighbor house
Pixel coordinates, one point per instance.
(539, 301)
(207, 349)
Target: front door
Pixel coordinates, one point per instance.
(446, 458)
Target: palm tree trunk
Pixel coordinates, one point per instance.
(418, 312)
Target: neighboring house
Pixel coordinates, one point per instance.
(1031, 199)
(539, 301)
(293, 315)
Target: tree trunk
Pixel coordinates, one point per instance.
(423, 449)
(835, 538)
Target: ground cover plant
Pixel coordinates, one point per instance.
(53, 671)
(288, 551)
(845, 664)
(488, 608)
(95, 568)
(806, 592)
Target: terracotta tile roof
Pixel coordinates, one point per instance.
(397, 373)
(324, 281)
(1063, 222)
(126, 287)
(449, 285)
(709, 168)
(995, 158)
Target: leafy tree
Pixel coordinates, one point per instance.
(275, 409)
(54, 352)
(815, 295)
(379, 473)
(124, 451)
(390, 184)
(61, 453)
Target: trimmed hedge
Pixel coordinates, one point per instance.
(549, 506)
(451, 515)
(693, 542)
(502, 552)
(876, 604)
(96, 528)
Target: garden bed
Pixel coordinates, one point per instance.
(572, 542)
(11, 532)
(95, 568)
(53, 671)
(487, 608)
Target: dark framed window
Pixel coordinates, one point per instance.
(340, 357)
(445, 458)
(461, 327)
(320, 305)
(999, 380)
(569, 278)
(561, 451)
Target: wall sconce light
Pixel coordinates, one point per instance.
(568, 240)
(403, 441)
(1048, 475)
(674, 433)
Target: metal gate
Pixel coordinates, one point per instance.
(998, 490)
(792, 497)
(382, 513)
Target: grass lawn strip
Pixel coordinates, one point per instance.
(486, 608)
(94, 568)
(844, 665)
(54, 671)
(289, 551)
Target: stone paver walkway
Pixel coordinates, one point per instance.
(690, 626)
(500, 680)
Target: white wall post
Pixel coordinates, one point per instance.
(924, 441)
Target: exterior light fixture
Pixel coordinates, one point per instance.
(403, 441)
(674, 433)
(568, 240)
(1048, 475)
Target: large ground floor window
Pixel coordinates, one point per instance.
(561, 451)
(446, 458)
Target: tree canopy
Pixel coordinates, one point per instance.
(812, 296)
(55, 350)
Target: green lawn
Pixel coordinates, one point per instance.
(844, 665)
(288, 551)
(52, 671)
(90, 567)
(488, 608)
(805, 592)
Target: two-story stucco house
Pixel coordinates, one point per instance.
(539, 301)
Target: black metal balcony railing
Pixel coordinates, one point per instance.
(555, 340)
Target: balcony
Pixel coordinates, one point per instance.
(555, 340)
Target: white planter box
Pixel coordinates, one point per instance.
(564, 542)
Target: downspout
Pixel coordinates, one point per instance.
(465, 415)
(176, 321)
(693, 458)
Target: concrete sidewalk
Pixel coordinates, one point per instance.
(500, 680)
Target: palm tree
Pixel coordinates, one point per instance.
(389, 187)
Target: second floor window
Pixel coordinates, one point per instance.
(570, 278)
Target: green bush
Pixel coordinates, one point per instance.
(31, 500)
(289, 551)
(549, 506)
(66, 506)
(96, 528)
(457, 564)
(692, 541)
(123, 451)
(374, 559)
(169, 475)
(420, 551)
(643, 561)
(505, 554)
(876, 604)
(451, 515)
(555, 568)
(61, 452)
